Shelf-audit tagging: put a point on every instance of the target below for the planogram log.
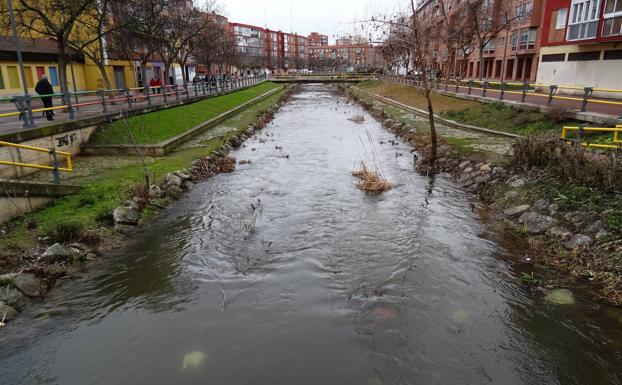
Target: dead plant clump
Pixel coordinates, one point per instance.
(567, 163)
(371, 180)
(358, 119)
(209, 166)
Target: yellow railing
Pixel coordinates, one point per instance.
(52, 152)
(617, 143)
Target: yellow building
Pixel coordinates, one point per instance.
(40, 57)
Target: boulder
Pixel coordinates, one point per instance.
(124, 229)
(536, 223)
(6, 279)
(485, 168)
(511, 194)
(133, 205)
(559, 232)
(59, 253)
(553, 208)
(464, 164)
(7, 312)
(594, 227)
(541, 204)
(125, 216)
(174, 192)
(578, 241)
(12, 297)
(517, 183)
(183, 175)
(172, 180)
(602, 234)
(155, 192)
(29, 284)
(516, 210)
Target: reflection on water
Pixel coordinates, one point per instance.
(284, 273)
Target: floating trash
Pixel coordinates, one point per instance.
(193, 360)
(459, 316)
(559, 297)
(384, 312)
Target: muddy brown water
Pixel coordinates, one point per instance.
(283, 273)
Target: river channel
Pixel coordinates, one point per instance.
(284, 273)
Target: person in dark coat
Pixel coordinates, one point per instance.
(45, 88)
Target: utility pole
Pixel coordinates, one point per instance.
(28, 119)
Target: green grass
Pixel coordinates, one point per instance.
(161, 125)
(496, 116)
(108, 187)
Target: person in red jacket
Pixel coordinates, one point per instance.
(155, 85)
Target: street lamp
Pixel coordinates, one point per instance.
(28, 119)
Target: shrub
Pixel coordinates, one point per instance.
(567, 163)
(65, 232)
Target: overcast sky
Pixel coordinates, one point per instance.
(329, 17)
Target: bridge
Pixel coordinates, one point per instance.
(321, 78)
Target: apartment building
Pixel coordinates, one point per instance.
(582, 44)
(510, 55)
(343, 57)
(351, 40)
(315, 39)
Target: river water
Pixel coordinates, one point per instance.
(284, 273)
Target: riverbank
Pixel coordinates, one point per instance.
(563, 203)
(44, 246)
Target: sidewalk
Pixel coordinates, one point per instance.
(596, 109)
(116, 104)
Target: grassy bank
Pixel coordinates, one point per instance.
(158, 126)
(496, 116)
(107, 182)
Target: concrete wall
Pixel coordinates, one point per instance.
(593, 73)
(69, 141)
(13, 207)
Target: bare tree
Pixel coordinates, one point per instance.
(413, 32)
(487, 18)
(52, 19)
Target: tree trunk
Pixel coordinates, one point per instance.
(143, 71)
(433, 137)
(62, 66)
(481, 63)
(102, 70)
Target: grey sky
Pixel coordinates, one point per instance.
(329, 17)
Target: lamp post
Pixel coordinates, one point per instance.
(28, 119)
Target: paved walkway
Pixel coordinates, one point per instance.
(612, 107)
(93, 107)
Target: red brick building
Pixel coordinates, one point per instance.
(315, 39)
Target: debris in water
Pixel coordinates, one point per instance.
(243, 161)
(371, 180)
(193, 360)
(359, 119)
(384, 312)
(560, 297)
(278, 148)
(459, 316)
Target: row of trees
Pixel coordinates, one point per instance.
(170, 31)
(439, 33)
(453, 30)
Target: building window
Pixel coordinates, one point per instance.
(1, 80)
(523, 10)
(523, 39)
(562, 15)
(514, 40)
(583, 22)
(489, 48)
(613, 18)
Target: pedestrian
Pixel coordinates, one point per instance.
(153, 83)
(44, 87)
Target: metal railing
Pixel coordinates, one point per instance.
(127, 99)
(580, 131)
(524, 89)
(55, 167)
